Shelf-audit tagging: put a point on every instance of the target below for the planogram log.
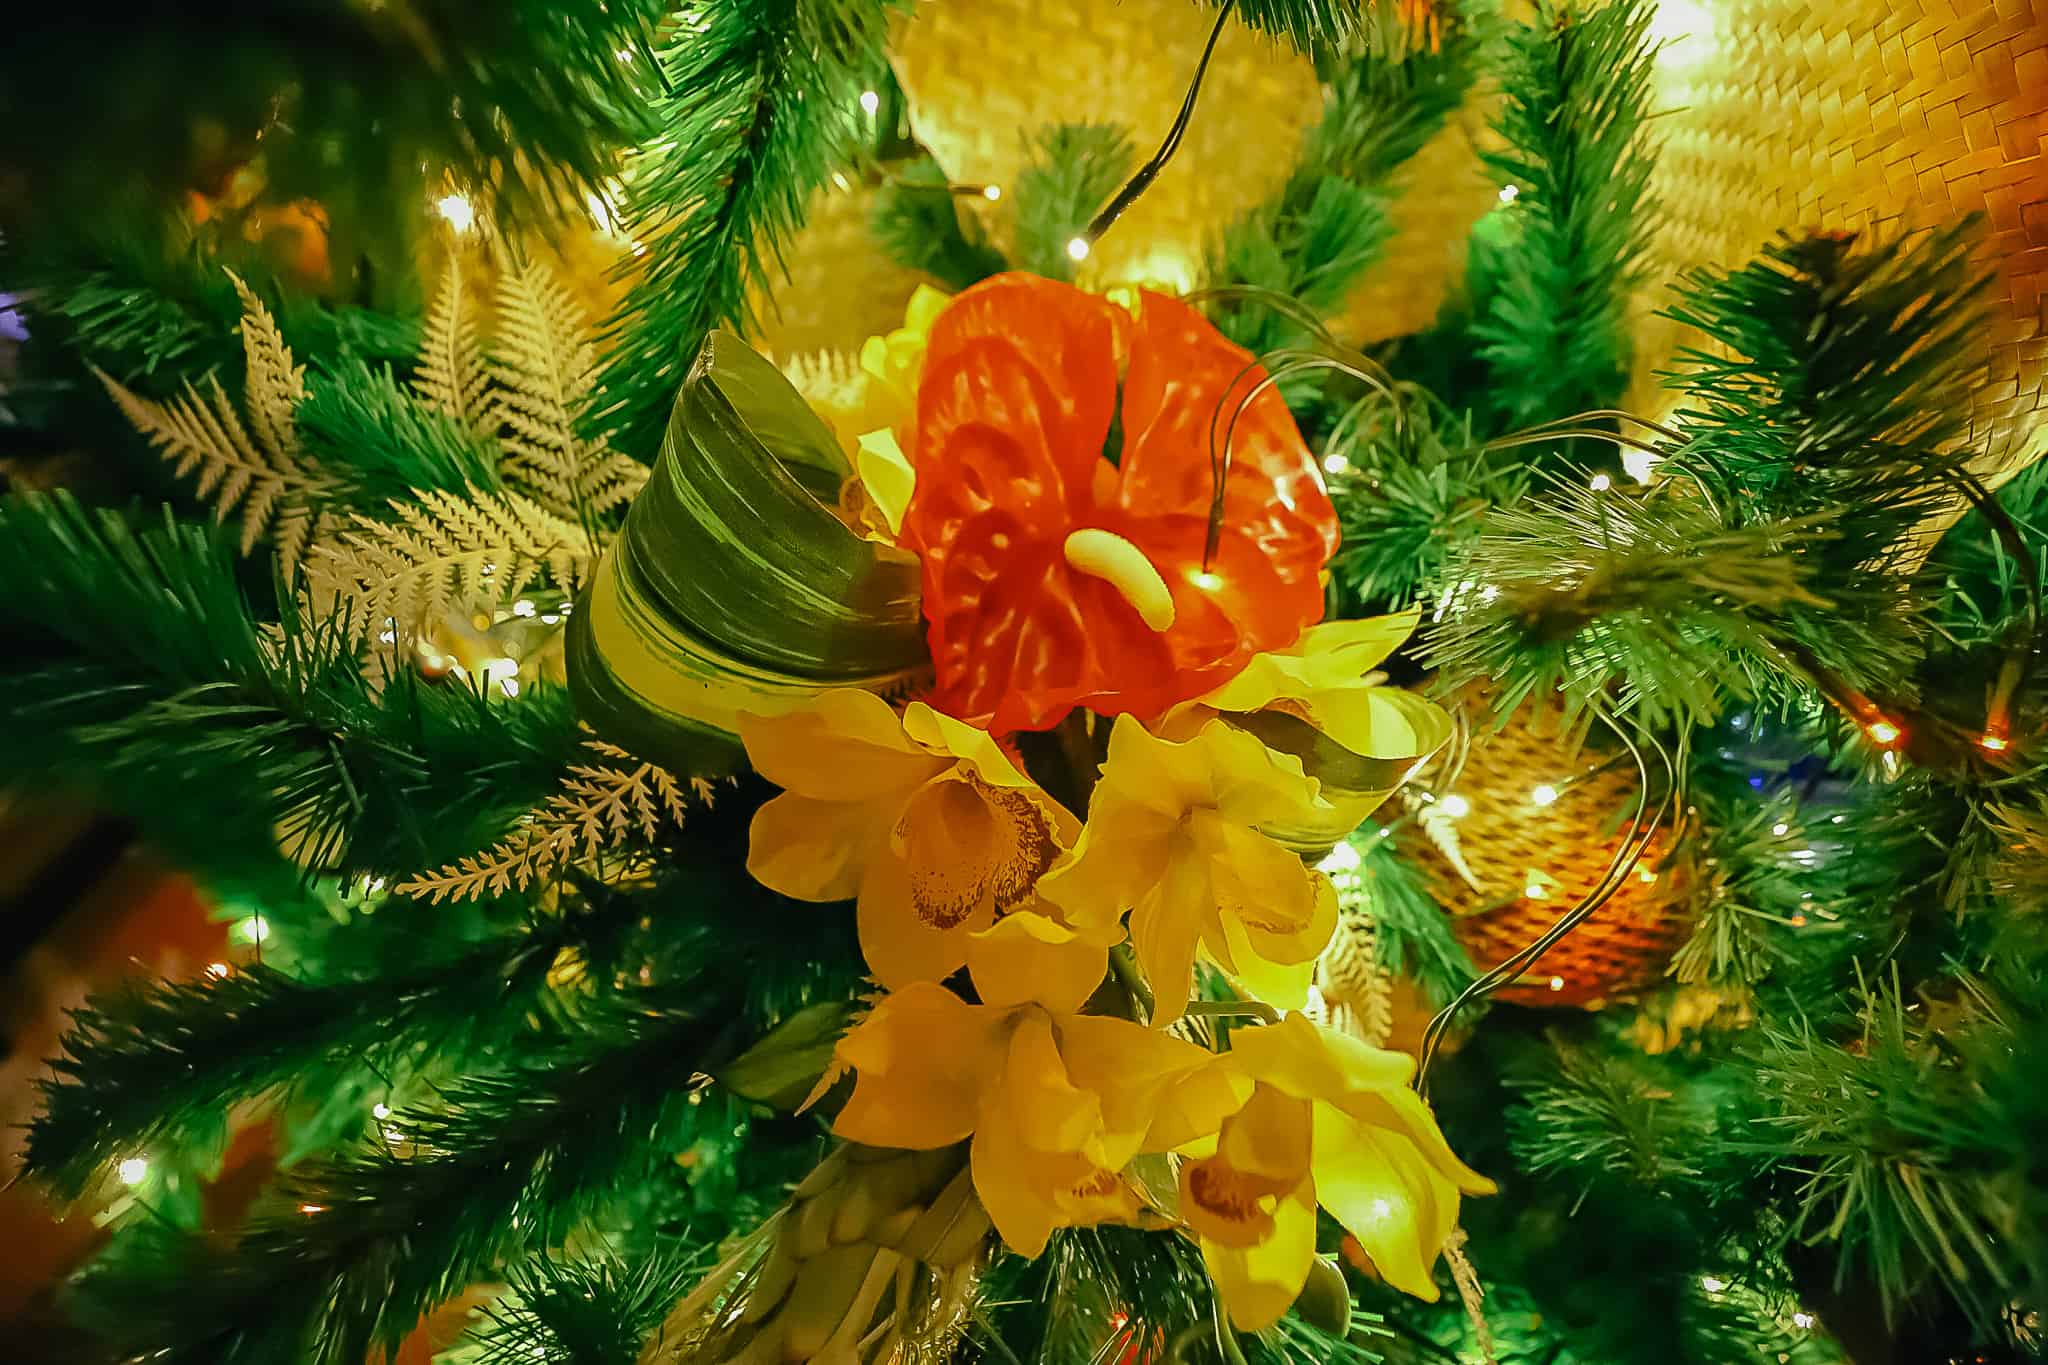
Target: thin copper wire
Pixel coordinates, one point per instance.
(1626, 855)
(1147, 173)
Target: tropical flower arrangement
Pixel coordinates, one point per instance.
(1076, 792)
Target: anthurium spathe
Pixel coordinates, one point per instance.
(1330, 1121)
(1056, 1102)
(1062, 504)
(1171, 836)
(1320, 701)
(920, 818)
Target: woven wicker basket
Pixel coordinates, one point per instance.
(1510, 843)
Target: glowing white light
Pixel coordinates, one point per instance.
(310, 1209)
(1557, 983)
(1713, 1284)
(1836, 819)
(1509, 193)
(1638, 464)
(1534, 891)
(218, 969)
(1456, 806)
(523, 607)
(1336, 464)
(1203, 578)
(1342, 858)
(255, 928)
(1488, 593)
(839, 179)
(380, 1110)
(1543, 796)
(1077, 248)
(1600, 483)
(991, 192)
(133, 1171)
(870, 102)
(1382, 1210)
(1802, 1319)
(457, 210)
(1780, 828)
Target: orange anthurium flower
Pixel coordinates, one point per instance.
(1062, 562)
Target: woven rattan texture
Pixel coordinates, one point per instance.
(1869, 115)
(1511, 844)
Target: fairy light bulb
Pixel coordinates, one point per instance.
(1600, 483)
(992, 192)
(1992, 743)
(1456, 806)
(133, 1171)
(870, 102)
(1543, 795)
(456, 211)
(1713, 1284)
(1557, 983)
(1336, 464)
(1078, 248)
(1883, 732)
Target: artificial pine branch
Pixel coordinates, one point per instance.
(1074, 170)
(920, 226)
(1576, 94)
(761, 100)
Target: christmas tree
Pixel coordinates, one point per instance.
(829, 735)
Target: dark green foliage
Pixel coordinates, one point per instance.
(1325, 226)
(1915, 1126)
(360, 418)
(1411, 484)
(761, 99)
(1576, 88)
(148, 680)
(1075, 170)
(593, 1312)
(922, 227)
(526, 101)
(1412, 934)
(1588, 1118)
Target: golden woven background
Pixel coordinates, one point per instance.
(1866, 114)
(1511, 844)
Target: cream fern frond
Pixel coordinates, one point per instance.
(598, 810)
(203, 438)
(451, 374)
(542, 369)
(272, 386)
(442, 552)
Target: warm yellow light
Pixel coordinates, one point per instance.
(1883, 732)
(1647, 874)
(1535, 892)
(991, 192)
(217, 969)
(457, 210)
(310, 1209)
(1994, 743)
(1077, 248)
(1456, 806)
(1204, 579)
(133, 1171)
(1557, 983)
(1543, 795)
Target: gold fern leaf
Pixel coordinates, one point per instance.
(543, 369)
(272, 386)
(203, 438)
(445, 552)
(599, 810)
(451, 374)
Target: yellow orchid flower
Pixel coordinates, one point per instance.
(1321, 702)
(1056, 1102)
(922, 819)
(1171, 837)
(1330, 1121)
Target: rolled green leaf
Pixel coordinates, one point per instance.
(734, 586)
